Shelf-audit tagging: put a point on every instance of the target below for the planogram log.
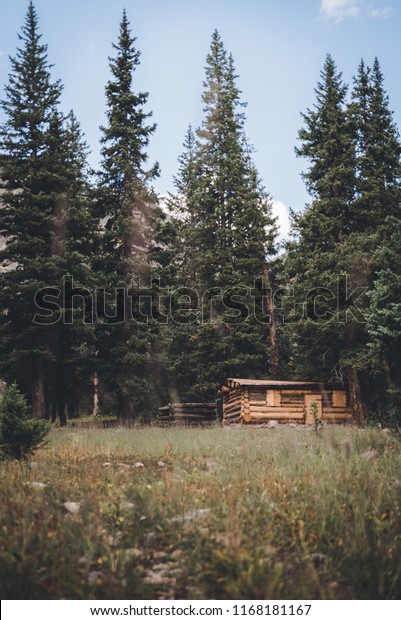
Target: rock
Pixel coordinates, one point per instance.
(33, 465)
(192, 515)
(154, 578)
(72, 507)
(127, 506)
(369, 454)
(201, 513)
(37, 485)
(161, 464)
(160, 579)
(134, 552)
(268, 550)
(95, 577)
(272, 424)
(138, 464)
(176, 554)
(106, 464)
(159, 568)
(211, 464)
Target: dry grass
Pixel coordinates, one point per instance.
(217, 513)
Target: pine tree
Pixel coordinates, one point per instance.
(353, 181)
(31, 178)
(76, 245)
(227, 232)
(378, 150)
(127, 205)
(385, 324)
(326, 339)
(229, 199)
(47, 224)
(20, 435)
(330, 180)
(376, 207)
(172, 252)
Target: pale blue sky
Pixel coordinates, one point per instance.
(279, 47)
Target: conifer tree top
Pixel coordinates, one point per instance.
(126, 135)
(31, 94)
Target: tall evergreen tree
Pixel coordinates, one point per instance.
(31, 177)
(385, 325)
(46, 222)
(353, 189)
(326, 141)
(324, 336)
(75, 245)
(378, 150)
(127, 205)
(377, 206)
(227, 232)
(229, 200)
(378, 212)
(172, 251)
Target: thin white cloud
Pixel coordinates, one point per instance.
(380, 13)
(281, 212)
(337, 10)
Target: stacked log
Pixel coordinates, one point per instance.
(284, 406)
(232, 406)
(164, 417)
(188, 414)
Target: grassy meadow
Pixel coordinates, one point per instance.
(203, 513)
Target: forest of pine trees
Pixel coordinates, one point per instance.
(100, 281)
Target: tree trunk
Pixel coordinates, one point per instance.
(275, 358)
(62, 413)
(125, 408)
(357, 405)
(47, 406)
(38, 393)
(71, 406)
(95, 382)
(61, 393)
(53, 410)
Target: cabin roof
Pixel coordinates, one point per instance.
(268, 383)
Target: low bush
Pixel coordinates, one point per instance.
(20, 434)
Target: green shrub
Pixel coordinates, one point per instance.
(20, 434)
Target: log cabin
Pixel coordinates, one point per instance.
(250, 401)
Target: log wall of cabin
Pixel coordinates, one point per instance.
(232, 406)
(254, 404)
(281, 405)
(289, 405)
(336, 407)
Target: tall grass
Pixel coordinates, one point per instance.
(217, 513)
